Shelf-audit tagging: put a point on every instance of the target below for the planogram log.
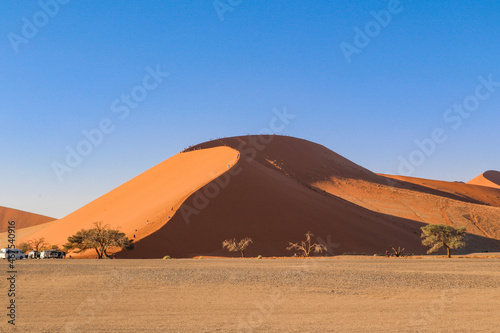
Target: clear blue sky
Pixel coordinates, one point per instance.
(228, 69)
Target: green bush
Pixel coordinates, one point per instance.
(167, 257)
(259, 257)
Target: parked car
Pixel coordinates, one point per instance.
(46, 254)
(6, 253)
(34, 255)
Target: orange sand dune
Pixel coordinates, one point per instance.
(280, 188)
(489, 178)
(283, 187)
(23, 219)
(146, 202)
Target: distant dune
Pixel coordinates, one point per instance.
(274, 189)
(23, 219)
(489, 178)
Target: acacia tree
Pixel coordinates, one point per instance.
(233, 246)
(440, 235)
(306, 247)
(100, 238)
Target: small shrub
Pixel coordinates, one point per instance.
(259, 257)
(399, 252)
(167, 257)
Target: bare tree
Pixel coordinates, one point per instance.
(306, 247)
(37, 244)
(232, 245)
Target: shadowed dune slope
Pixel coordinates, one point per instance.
(489, 178)
(23, 219)
(147, 201)
(282, 187)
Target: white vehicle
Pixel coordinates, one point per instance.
(33, 255)
(46, 254)
(6, 253)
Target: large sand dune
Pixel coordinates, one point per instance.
(283, 187)
(274, 189)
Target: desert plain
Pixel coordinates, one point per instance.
(333, 294)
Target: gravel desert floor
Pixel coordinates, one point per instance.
(339, 294)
